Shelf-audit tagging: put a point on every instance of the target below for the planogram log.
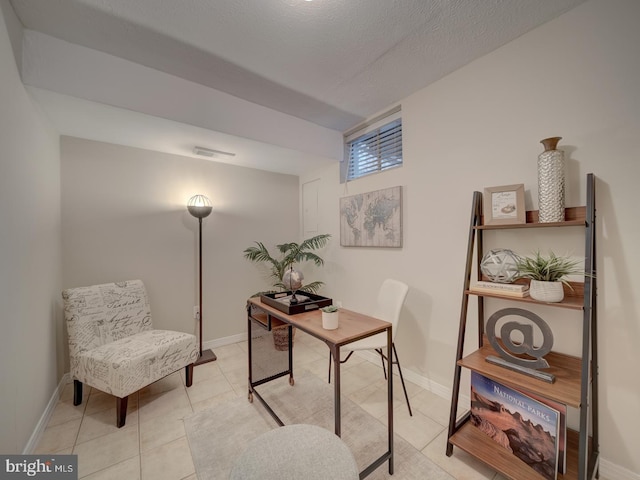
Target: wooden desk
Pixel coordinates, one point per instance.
(353, 326)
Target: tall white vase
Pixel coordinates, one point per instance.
(551, 182)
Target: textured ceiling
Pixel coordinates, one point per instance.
(330, 62)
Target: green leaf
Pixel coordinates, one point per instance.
(312, 287)
(290, 253)
(549, 269)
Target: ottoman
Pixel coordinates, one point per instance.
(296, 452)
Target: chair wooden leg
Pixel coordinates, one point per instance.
(188, 374)
(121, 411)
(77, 392)
(397, 362)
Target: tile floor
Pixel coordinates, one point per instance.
(153, 444)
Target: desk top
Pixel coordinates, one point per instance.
(352, 326)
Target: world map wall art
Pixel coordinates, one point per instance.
(372, 219)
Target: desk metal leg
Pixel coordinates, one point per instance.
(335, 353)
(389, 454)
(291, 380)
(390, 399)
(249, 344)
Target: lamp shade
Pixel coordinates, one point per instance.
(199, 206)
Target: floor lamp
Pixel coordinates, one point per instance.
(199, 206)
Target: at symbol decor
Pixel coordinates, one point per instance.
(513, 354)
(500, 265)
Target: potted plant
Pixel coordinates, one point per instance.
(291, 254)
(330, 317)
(283, 274)
(547, 275)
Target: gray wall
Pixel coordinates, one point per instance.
(124, 216)
(30, 325)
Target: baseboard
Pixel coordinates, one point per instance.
(221, 342)
(46, 416)
(612, 471)
(414, 377)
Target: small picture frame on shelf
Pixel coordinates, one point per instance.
(504, 205)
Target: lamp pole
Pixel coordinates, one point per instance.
(199, 206)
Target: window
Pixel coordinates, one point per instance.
(378, 149)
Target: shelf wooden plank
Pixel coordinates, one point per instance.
(574, 217)
(573, 297)
(572, 302)
(473, 441)
(566, 368)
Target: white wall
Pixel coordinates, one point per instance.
(124, 216)
(30, 269)
(575, 77)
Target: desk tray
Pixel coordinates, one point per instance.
(313, 303)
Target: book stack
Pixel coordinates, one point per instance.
(506, 289)
(532, 428)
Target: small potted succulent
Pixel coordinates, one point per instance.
(330, 317)
(548, 274)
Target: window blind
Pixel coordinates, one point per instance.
(376, 150)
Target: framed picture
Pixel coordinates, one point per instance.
(372, 219)
(504, 205)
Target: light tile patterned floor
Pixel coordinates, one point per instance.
(153, 444)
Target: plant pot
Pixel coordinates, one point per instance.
(281, 337)
(550, 292)
(330, 320)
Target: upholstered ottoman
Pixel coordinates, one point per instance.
(296, 452)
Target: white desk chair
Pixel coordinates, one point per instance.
(391, 297)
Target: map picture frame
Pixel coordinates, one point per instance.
(372, 219)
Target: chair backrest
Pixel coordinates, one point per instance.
(391, 297)
(101, 314)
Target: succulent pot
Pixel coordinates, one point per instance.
(330, 320)
(550, 292)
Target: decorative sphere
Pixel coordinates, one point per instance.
(500, 265)
(292, 279)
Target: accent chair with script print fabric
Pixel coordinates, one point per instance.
(113, 346)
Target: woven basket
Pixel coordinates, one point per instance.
(281, 337)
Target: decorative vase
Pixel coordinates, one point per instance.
(550, 292)
(330, 320)
(500, 265)
(551, 182)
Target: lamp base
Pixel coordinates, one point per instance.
(206, 357)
